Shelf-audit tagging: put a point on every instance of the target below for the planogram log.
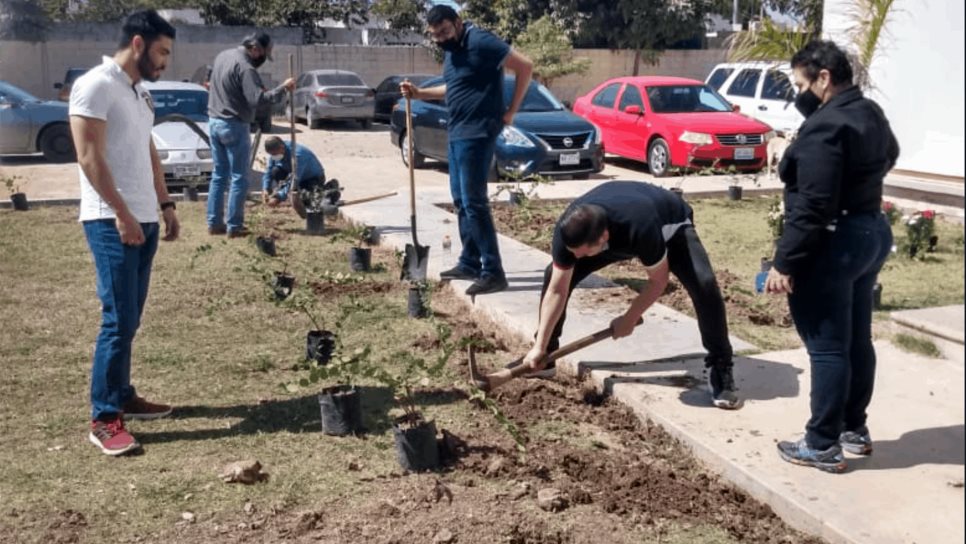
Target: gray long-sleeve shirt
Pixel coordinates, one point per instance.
(235, 88)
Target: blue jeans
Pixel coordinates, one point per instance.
(231, 154)
(832, 309)
(123, 275)
(469, 165)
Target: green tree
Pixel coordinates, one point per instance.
(22, 20)
(294, 13)
(547, 45)
(402, 14)
(651, 26)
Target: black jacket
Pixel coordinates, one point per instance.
(836, 164)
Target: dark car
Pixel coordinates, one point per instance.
(387, 93)
(63, 88)
(545, 137)
(29, 124)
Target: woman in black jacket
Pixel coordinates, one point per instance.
(833, 245)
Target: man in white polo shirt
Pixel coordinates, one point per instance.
(122, 186)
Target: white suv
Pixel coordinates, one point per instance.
(762, 90)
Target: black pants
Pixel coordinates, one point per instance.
(689, 263)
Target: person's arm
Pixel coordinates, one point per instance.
(255, 93)
(552, 307)
(522, 67)
(267, 181)
(410, 90)
(172, 227)
(90, 142)
(657, 278)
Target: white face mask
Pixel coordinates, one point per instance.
(277, 157)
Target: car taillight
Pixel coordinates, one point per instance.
(370, 93)
(321, 94)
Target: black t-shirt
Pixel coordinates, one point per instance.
(641, 218)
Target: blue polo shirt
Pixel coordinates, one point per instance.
(308, 164)
(474, 85)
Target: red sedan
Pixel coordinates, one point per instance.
(672, 122)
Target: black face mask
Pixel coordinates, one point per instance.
(449, 45)
(807, 102)
(258, 61)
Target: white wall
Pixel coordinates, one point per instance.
(919, 79)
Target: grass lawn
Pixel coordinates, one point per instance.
(737, 237)
(215, 344)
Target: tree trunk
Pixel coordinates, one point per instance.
(637, 61)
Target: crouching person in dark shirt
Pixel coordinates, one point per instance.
(623, 220)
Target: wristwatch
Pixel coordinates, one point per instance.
(168, 204)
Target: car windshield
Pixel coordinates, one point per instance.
(16, 93)
(538, 98)
(685, 99)
(339, 79)
(192, 104)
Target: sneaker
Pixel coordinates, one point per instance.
(239, 233)
(140, 408)
(721, 381)
(857, 442)
(111, 437)
(457, 273)
(487, 285)
(799, 453)
(217, 231)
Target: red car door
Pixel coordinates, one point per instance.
(630, 124)
(601, 112)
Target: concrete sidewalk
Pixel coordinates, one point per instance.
(911, 490)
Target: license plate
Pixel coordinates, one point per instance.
(187, 170)
(346, 99)
(569, 159)
(744, 153)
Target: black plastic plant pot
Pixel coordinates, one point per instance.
(877, 296)
(190, 194)
(319, 346)
(360, 259)
(266, 245)
(516, 198)
(314, 223)
(282, 285)
(734, 192)
(19, 201)
(341, 410)
(417, 306)
(416, 448)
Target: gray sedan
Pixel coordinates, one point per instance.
(333, 94)
(30, 125)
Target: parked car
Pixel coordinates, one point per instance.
(333, 94)
(762, 90)
(64, 87)
(30, 125)
(545, 137)
(670, 122)
(182, 142)
(387, 93)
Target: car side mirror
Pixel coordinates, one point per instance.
(736, 108)
(58, 86)
(633, 110)
(567, 104)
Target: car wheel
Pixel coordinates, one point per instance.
(366, 123)
(56, 145)
(418, 159)
(659, 158)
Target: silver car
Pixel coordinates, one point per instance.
(333, 94)
(30, 125)
(181, 132)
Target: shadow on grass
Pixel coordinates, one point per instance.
(293, 415)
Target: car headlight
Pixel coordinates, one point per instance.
(598, 135)
(697, 138)
(768, 136)
(514, 137)
(163, 155)
(203, 153)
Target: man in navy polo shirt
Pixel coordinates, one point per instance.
(473, 72)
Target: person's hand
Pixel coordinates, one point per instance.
(536, 358)
(777, 283)
(623, 325)
(129, 229)
(274, 201)
(408, 90)
(289, 84)
(172, 227)
(265, 197)
(508, 118)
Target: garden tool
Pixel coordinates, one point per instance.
(294, 193)
(416, 257)
(516, 368)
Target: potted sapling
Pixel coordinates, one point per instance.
(319, 342)
(17, 198)
(314, 200)
(360, 255)
(190, 191)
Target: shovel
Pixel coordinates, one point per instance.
(293, 191)
(417, 256)
(489, 382)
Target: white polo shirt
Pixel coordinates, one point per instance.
(106, 92)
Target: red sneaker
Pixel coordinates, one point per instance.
(111, 437)
(140, 408)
